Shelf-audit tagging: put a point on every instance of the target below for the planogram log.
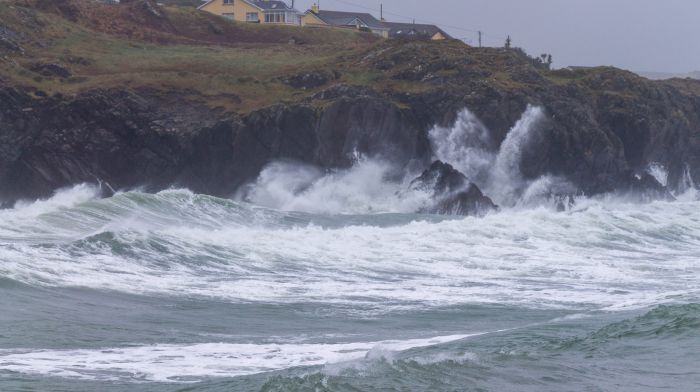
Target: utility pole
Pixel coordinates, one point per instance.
(479, 38)
(381, 12)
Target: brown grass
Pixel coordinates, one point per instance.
(240, 67)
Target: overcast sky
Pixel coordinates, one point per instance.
(640, 35)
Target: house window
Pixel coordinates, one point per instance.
(228, 2)
(252, 17)
(275, 17)
(228, 15)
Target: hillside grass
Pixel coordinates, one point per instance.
(242, 67)
(238, 76)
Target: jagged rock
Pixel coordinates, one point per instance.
(64, 8)
(647, 188)
(602, 126)
(11, 45)
(152, 8)
(9, 39)
(309, 80)
(138, 139)
(452, 192)
(344, 90)
(50, 70)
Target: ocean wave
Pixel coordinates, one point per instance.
(662, 322)
(623, 355)
(189, 363)
(608, 255)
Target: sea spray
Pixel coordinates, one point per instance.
(506, 181)
(467, 145)
(373, 185)
(369, 186)
(659, 172)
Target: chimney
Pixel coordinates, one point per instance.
(314, 8)
(381, 12)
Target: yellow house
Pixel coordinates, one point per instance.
(254, 11)
(341, 19)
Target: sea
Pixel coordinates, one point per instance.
(312, 280)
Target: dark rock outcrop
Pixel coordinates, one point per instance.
(452, 192)
(50, 70)
(10, 39)
(129, 140)
(310, 80)
(645, 187)
(600, 129)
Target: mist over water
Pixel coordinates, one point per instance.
(313, 280)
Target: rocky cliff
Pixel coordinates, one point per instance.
(603, 128)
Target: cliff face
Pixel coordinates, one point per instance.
(602, 129)
(129, 139)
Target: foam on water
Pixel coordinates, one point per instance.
(187, 363)
(602, 254)
(598, 255)
(363, 189)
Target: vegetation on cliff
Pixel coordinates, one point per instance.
(139, 93)
(71, 46)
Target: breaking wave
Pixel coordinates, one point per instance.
(369, 186)
(468, 146)
(179, 243)
(301, 247)
(376, 186)
(180, 363)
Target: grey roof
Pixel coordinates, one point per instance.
(271, 5)
(413, 29)
(342, 18)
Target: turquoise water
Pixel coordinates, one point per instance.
(184, 292)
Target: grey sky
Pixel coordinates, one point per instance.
(642, 35)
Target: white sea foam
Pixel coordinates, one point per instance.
(362, 189)
(468, 146)
(600, 254)
(62, 198)
(187, 363)
(506, 180)
(659, 172)
(372, 186)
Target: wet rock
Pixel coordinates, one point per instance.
(600, 127)
(646, 187)
(452, 192)
(152, 140)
